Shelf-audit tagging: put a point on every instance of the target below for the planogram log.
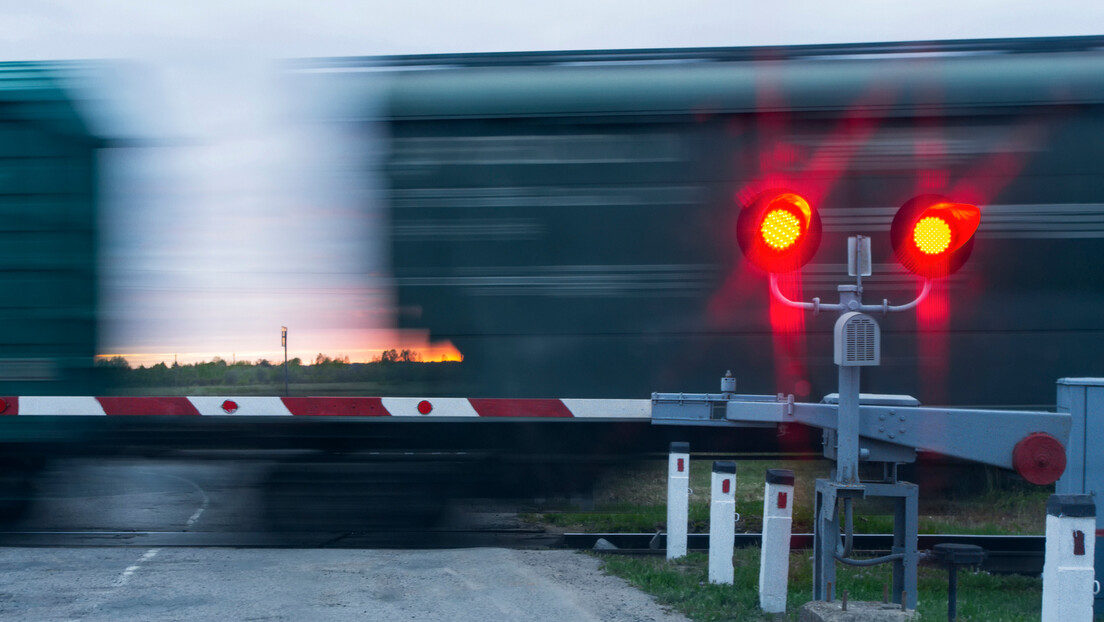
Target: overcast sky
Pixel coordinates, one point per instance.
(246, 223)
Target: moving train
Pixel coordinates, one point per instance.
(567, 219)
(49, 212)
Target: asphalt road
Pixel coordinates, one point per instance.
(221, 499)
(222, 502)
(159, 585)
(148, 495)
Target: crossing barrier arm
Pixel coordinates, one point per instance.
(985, 436)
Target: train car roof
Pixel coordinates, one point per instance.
(895, 78)
(41, 93)
(717, 54)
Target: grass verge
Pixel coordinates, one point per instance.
(683, 585)
(634, 499)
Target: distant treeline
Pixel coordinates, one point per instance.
(391, 365)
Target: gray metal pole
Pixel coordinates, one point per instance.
(847, 428)
(825, 539)
(283, 340)
(847, 432)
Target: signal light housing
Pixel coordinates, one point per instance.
(779, 231)
(933, 236)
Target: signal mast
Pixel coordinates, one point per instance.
(932, 237)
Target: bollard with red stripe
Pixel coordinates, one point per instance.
(678, 492)
(1068, 576)
(722, 522)
(774, 564)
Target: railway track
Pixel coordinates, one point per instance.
(1005, 554)
(414, 539)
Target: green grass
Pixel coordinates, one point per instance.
(297, 389)
(634, 499)
(683, 585)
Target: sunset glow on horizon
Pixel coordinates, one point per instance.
(430, 352)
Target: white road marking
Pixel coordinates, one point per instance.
(195, 517)
(507, 609)
(202, 507)
(471, 585)
(133, 568)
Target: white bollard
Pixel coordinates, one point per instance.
(722, 522)
(1068, 581)
(678, 499)
(774, 564)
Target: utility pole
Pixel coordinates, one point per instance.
(283, 342)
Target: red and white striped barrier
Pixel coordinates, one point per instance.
(412, 407)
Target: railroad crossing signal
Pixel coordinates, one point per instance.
(779, 231)
(933, 236)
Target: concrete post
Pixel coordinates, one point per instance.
(1068, 581)
(722, 522)
(774, 564)
(1083, 399)
(678, 493)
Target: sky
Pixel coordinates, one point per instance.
(236, 217)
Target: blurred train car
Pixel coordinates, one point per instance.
(567, 220)
(48, 254)
(48, 235)
(327, 472)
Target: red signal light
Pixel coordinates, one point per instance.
(933, 236)
(778, 231)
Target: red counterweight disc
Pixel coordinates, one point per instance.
(1039, 458)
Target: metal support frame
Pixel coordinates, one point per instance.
(846, 485)
(885, 429)
(832, 536)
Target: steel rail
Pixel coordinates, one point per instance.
(1006, 554)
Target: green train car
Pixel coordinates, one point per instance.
(48, 235)
(567, 219)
